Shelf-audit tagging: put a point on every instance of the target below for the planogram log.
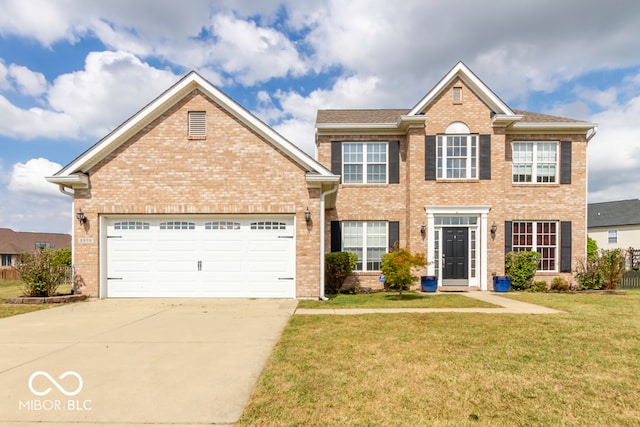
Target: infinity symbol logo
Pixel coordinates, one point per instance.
(55, 383)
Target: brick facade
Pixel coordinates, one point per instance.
(405, 202)
(162, 171)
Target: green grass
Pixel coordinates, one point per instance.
(390, 300)
(581, 368)
(13, 288)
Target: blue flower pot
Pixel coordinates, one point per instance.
(501, 283)
(429, 283)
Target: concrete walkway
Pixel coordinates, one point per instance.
(505, 305)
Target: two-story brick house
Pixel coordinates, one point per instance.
(460, 177)
(194, 196)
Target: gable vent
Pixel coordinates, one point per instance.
(197, 123)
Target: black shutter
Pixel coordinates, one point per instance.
(394, 162)
(336, 158)
(565, 162)
(430, 158)
(565, 247)
(485, 157)
(508, 241)
(336, 236)
(394, 234)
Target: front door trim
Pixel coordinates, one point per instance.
(482, 236)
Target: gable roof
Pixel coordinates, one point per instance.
(397, 121)
(607, 214)
(461, 71)
(17, 242)
(74, 175)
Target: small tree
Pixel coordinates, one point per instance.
(338, 266)
(397, 266)
(612, 266)
(41, 273)
(521, 267)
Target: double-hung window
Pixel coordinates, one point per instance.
(368, 240)
(364, 162)
(535, 162)
(457, 157)
(612, 237)
(537, 236)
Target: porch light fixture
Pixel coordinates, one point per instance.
(307, 216)
(423, 229)
(81, 216)
(494, 228)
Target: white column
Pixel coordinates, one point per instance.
(483, 237)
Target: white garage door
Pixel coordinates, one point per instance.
(215, 257)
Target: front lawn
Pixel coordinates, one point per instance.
(390, 300)
(13, 288)
(458, 369)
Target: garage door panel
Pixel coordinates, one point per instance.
(237, 257)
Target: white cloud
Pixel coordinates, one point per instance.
(29, 177)
(35, 204)
(252, 53)
(614, 154)
(112, 87)
(28, 82)
(34, 122)
(4, 83)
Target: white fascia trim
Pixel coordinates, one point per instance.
(552, 127)
(316, 181)
(457, 210)
(77, 180)
(188, 83)
(357, 128)
(400, 127)
(466, 75)
(504, 120)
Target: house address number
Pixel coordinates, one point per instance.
(85, 240)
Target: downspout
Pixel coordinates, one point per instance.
(73, 239)
(322, 230)
(63, 191)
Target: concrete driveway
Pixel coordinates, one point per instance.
(135, 361)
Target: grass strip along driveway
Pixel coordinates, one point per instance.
(458, 369)
(390, 300)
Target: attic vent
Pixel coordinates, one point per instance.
(197, 123)
(457, 95)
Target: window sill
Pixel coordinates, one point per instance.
(535, 184)
(351, 185)
(196, 137)
(466, 180)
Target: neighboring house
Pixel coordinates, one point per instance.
(615, 224)
(461, 177)
(14, 243)
(194, 196)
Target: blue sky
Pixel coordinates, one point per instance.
(73, 70)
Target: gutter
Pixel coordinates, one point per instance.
(322, 234)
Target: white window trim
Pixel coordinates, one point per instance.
(482, 238)
(365, 246)
(364, 162)
(534, 163)
(612, 236)
(441, 172)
